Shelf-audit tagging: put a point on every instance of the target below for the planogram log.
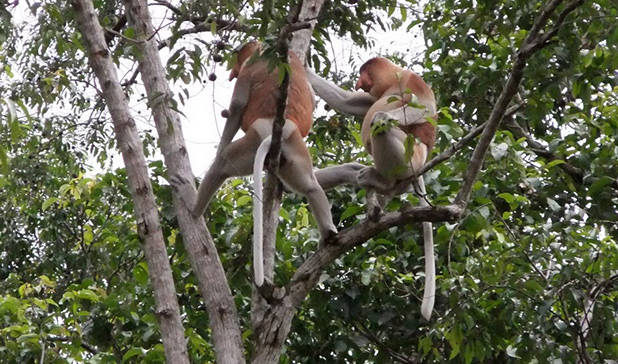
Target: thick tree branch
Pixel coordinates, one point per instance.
(309, 272)
(450, 151)
(533, 42)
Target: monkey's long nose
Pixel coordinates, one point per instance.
(358, 84)
(233, 75)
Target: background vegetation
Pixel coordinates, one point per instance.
(528, 274)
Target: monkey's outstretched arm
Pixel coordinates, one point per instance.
(240, 97)
(213, 178)
(355, 103)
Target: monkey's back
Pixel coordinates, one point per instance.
(264, 95)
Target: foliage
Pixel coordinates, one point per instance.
(539, 239)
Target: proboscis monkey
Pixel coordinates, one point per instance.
(252, 109)
(396, 105)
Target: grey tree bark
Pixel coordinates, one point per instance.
(146, 212)
(200, 247)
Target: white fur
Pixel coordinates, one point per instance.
(355, 103)
(430, 266)
(258, 224)
(264, 129)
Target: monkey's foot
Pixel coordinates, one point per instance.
(374, 208)
(330, 237)
(370, 178)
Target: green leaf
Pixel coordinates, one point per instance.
(553, 205)
(351, 211)
(46, 281)
(140, 273)
(131, 353)
(366, 278)
(303, 214)
(4, 161)
(554, 163)
(87, 294)
(11, 108)
(509, 198)
(533, 285)
(283, 70)
(243, 200)
(392, 99)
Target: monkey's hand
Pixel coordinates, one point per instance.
(180, 184)
(374, 208)
(370, 178)
(348, 102)
(405, 115)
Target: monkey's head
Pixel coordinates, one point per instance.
(374, 76)
(243, 54)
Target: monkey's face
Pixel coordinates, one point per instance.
(364, 81)
(243, 55)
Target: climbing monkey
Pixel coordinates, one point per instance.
(252, 109)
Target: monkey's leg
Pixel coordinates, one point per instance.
(235, 160)
(370, 178)
(334, 176)
(297, 172)
(389, 154)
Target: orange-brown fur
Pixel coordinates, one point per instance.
(384, 80)
(264, 93)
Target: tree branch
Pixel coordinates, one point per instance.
(203, 255)
(309, 272)
(166, 307)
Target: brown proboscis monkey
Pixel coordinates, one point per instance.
(396, 105)
(252, 109)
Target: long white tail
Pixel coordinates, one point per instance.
(258, 224)
(429, 294)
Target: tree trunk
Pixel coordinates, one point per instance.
(200, 247)
(146, 212)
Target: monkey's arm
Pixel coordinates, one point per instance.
(240, 97)
(355, 103)
(405, 115)
(413, 113)
(213, 179)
